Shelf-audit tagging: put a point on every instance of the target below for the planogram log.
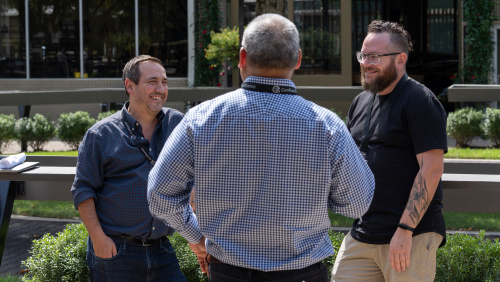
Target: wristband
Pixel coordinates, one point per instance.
(406, 227)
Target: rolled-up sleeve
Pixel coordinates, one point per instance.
(89, 171)
(352, 185)
(171, 181)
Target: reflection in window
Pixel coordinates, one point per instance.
(54, 43)
(109, 36)
(441, 17)
(318, 23)
(12, 59)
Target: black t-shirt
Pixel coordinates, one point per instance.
(412, 122)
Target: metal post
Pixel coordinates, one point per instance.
(136, 3)
(191, 23)
(27, 34)
(7, 197)
(80, 16)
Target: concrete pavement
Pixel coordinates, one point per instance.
(22, 231)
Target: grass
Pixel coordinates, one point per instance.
(453, 220)
(52, 209)
(10, 278)
(55, 153)
(473, 153)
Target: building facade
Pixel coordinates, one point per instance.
(93, 39)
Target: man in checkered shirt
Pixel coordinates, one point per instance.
(266, 165)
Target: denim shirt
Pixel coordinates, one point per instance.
(113, 171)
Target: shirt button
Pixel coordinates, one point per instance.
(150, 149)
(154, 228)
(136, 124)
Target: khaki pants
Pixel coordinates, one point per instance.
(358, 261)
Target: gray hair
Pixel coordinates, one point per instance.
(271, 41)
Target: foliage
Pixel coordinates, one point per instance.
(207, 19)
(104, 115)
(468, 258)
(72, 127)
(36, 130)
(479, 15)
(491, 126)
(224, 47)
(60, 258)
(187, 260)
(464, 125)
(42, 131)
(7, 130)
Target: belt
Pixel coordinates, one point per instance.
(132, 241)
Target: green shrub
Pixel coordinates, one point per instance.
(468, 258)
(104, 115)
(60, 258)
(491, 126)
(36, 130)
(187, 260)
(72, 127)
(464, 125)
(42, 131)
(7, 130)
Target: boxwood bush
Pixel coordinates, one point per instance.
(72, 127)
(469, 258)
(7, 130)
(36, 130)
(491, 126)
(464, 125)
(62, 258)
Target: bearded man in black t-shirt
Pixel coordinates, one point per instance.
(400, 128)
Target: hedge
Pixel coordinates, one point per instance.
(62, 257)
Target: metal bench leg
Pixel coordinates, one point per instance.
(7, 197)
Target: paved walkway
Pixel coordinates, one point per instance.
(22, 231)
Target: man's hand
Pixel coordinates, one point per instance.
(104, 247)
(400, 248)
(201, 253)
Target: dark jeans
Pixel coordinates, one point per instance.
(135, 263)
(221, 272)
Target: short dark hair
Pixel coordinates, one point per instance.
(399, 36)
(132, 71)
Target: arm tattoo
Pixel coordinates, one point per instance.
(419, 197)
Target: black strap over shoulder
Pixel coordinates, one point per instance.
(136, 141)
(276, 89)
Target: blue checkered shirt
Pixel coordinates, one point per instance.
(265, 169)
(113, 171)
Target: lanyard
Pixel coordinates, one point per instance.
(368, 131)
(137, 142)
(276, 89)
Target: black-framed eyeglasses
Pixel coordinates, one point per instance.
(372, 58)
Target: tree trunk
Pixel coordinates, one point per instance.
(270, 6)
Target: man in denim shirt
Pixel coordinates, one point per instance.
(114, 159)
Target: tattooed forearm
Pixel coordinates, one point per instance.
(419, 197)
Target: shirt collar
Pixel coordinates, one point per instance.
(270, 81)
(126, 116)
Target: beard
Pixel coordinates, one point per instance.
(385, 78)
